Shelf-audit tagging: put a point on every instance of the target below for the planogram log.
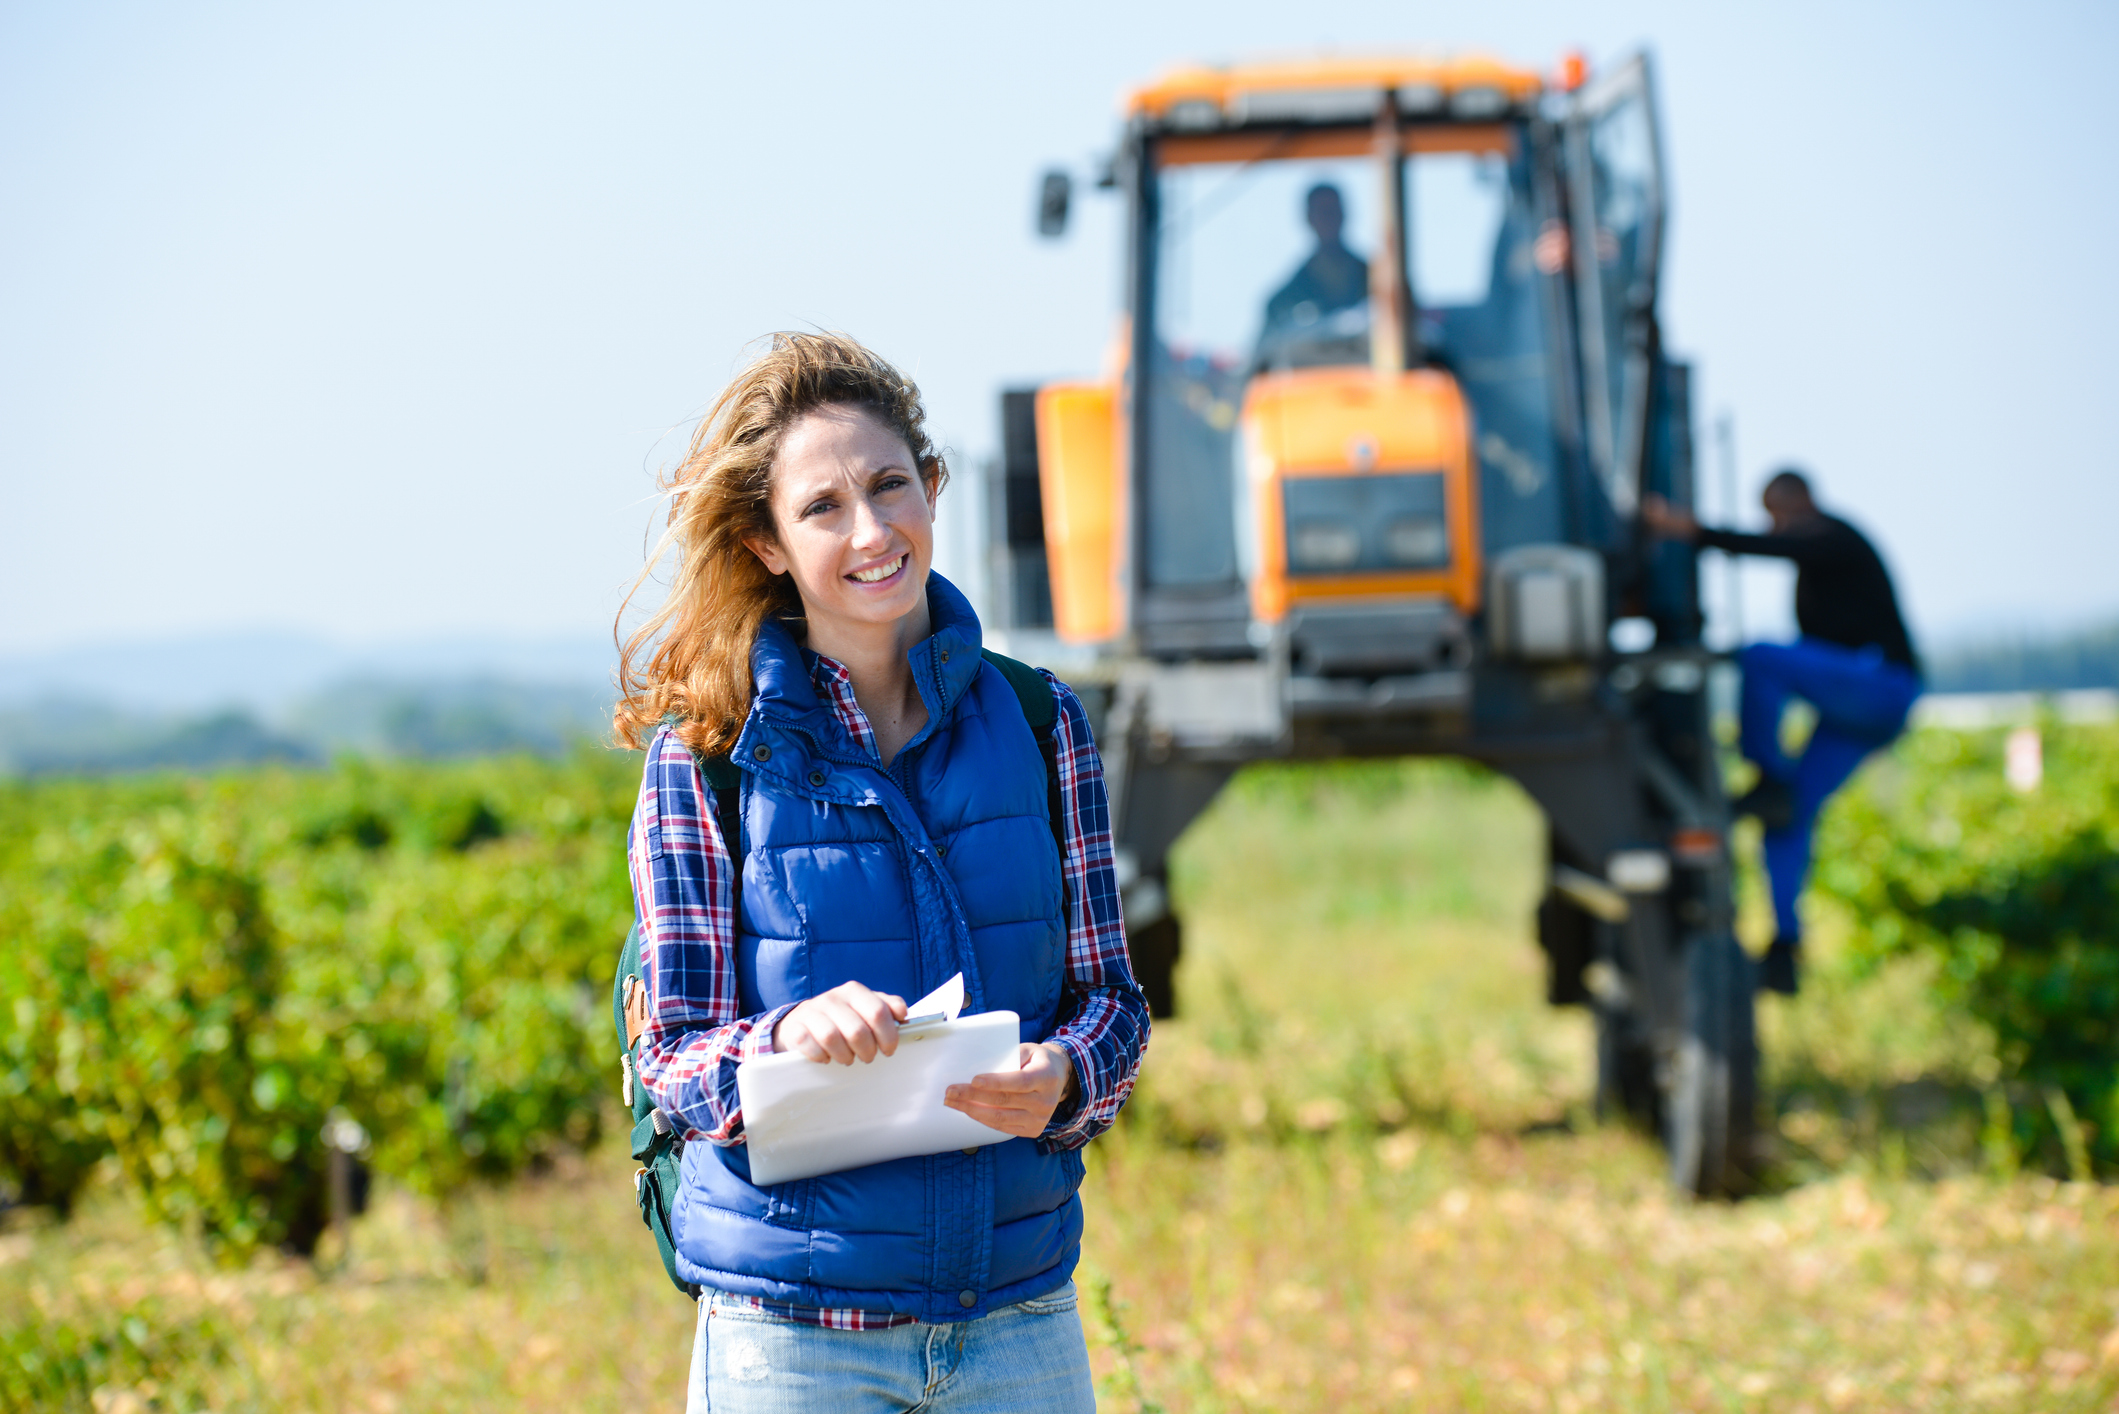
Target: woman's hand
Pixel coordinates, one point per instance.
(845, 1024)
(1022, 1101)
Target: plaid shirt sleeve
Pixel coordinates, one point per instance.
(681, 874)
(1104, 1014)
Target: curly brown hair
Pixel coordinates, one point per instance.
(691, 660)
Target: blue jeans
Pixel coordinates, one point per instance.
(1029, 1356)
(1862, 700)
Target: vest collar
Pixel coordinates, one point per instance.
(947, 660)
(944, 665)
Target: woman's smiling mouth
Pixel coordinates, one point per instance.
(879, 573)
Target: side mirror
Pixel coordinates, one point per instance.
(1054, 195)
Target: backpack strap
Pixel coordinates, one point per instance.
(726, 782)
(1041, 709)
(1040, 703)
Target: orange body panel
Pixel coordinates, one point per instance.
(1181, 150)
(1377, 72)
(1078, 472)
(1351, 422)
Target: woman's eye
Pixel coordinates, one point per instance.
(815, 508)
(892, 483)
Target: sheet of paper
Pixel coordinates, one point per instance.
(946, 1001)
(801, 1118)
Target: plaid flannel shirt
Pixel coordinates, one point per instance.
(696, 1035)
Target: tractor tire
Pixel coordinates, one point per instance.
(1712, 1108)
(1626, 1078)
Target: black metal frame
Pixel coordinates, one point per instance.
(1166, 622)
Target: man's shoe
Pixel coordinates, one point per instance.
(1772, 801)
(1778, 968)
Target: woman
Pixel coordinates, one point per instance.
(895, 830)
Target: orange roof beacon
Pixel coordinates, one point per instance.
(1360, 479)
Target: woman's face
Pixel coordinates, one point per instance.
(853, 521)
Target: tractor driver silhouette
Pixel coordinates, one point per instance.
(1332, 279)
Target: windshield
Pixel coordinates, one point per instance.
(1264, 265)
(1267, 259)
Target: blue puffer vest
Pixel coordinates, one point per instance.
(896, 879)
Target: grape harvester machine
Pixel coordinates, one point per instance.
(1361, 479)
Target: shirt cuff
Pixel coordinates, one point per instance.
(760, 1040)
(1066, 1130)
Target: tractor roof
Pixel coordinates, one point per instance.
(1468, 86)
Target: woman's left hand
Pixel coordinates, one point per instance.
(1022, 1101)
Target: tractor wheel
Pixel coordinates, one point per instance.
(1713, 1101)
(1626, 1080)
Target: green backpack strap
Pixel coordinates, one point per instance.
(1041, 709)
(1040, 703)
(726, 782)
(720, 772)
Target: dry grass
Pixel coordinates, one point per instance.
(1361, 1173)
(542, 1296)
(1556, 1273)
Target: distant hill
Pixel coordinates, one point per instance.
(370, 717)
(2029, 663)
(62, 737)
(468, 717)
(186, 704)
(269, 672)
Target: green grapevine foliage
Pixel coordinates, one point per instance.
(2017, 893)
(199, 972)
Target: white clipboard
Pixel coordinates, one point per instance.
(802, 1118)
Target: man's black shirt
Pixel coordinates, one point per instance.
(1842, 591)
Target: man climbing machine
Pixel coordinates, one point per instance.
(1853, 662)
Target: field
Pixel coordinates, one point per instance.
(1362, 1172)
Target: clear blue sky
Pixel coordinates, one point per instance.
(372, 321)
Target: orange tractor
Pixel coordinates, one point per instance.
(1361, 480)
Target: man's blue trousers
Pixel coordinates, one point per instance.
(1862, 700)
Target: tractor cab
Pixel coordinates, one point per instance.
(1361, 479)
(1387, 322)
